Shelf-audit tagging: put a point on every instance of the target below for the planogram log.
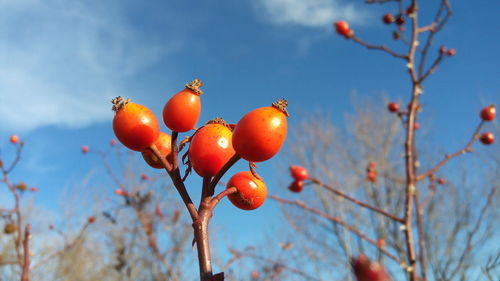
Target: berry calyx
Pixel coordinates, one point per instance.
(296, 186)
(487, 138)
(388, 18)
(14, 139)
(489, 113)
(393, 107)
(299, 173)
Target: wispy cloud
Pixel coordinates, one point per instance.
(60, 59)
(309, 13)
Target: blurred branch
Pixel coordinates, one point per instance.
(338, 221)
(356, 201)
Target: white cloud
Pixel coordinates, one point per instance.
(62, 61)
(309, 13)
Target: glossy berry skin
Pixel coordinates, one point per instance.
(487, 138)
(164, 146)
(182, 111)
(342, 28)
(296, 186)
(14, 139)
(366, 270)
(388, 18)
(251, 192)
(393, 107)
(259, 135)
(135, 126)
(489, 113)
(210, 148)
(299, 173)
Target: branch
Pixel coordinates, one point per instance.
(382, 48)
(356, 201)
(338, 221)
(448, 157)
(25, 276)
(221, 195)
(470, 235)
(238, 255)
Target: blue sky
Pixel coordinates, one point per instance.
(61, 62)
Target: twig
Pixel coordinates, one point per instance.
(356, 201)
(338, 221)
(448, 157)
(382, 48)
(472, 232)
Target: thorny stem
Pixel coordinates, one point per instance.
(356, 201)
(25, 275)
(337, 220)
(421, 235)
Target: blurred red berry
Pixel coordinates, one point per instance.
(442, 50)
(296, 186)
(342, 28)
(158, 211)
(441, 181)
(91, 219)
(487, 138)
(366, 270)
(299, 173)
(14, 139)
(85, 149)
(112, 142)
(388, 18)
(255, 275)
(400, 20)
(144, 177)
(401, 28)
(34, 189)
(451, 52)
(371, 176)
(416, 126)
(381, 243)
(393, 107)
(489, 113)
(121, 192)
(410, 9)
(372, 165)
